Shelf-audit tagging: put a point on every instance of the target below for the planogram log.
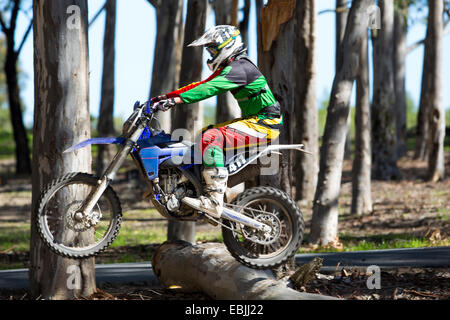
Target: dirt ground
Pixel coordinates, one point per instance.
(411, 206)
(398, 284)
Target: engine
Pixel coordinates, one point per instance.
(173, 187)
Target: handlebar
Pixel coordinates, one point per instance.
(148, 107)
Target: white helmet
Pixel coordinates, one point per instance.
(222, 42)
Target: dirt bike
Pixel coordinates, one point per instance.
(79, 215)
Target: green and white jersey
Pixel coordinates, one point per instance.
(242, 78)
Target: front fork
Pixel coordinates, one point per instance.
(110, 173)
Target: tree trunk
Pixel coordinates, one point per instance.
(61, 119)
(400, 52)
(244, 23)
(105, 125)
(362, 163)
(422, 128)
(167, 58)
(22, 150)
(209, 268)
(190, 117)
(259, 4)
(227, 107)
(341, 23)
(325, 209)
(384, 151)
(435, 105)
(23, 164)
(277, 63)
(306, 116)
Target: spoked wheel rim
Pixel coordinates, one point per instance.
(260, 244)
(63, 228)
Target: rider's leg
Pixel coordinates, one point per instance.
(232, 135)
(214, 174)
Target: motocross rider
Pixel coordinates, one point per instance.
(261, 118)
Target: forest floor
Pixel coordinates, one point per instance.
(407, 213)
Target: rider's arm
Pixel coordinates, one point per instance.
(222, 80)
(177, 100)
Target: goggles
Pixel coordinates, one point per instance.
(214, 51)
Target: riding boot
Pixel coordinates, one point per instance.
(216, 185)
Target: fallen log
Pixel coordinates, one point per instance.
(209, 268)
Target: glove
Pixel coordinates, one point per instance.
(165, 105)
(150, 104)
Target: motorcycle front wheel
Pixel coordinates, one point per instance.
(63, 230)
(263, 250)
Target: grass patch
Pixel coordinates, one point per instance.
(15, 236)
(17, 194)
(142, 233)
(7, 145)
(132, 234)
(381, 242)
(150, 213)
(13, 265)
(443, 215)
(214, 235)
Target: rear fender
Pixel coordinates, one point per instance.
(239, 162)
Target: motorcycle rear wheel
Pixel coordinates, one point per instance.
(59, 227)
(255, 249)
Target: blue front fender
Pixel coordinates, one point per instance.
(111, 140)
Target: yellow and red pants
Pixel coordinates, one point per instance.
(237, 134)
